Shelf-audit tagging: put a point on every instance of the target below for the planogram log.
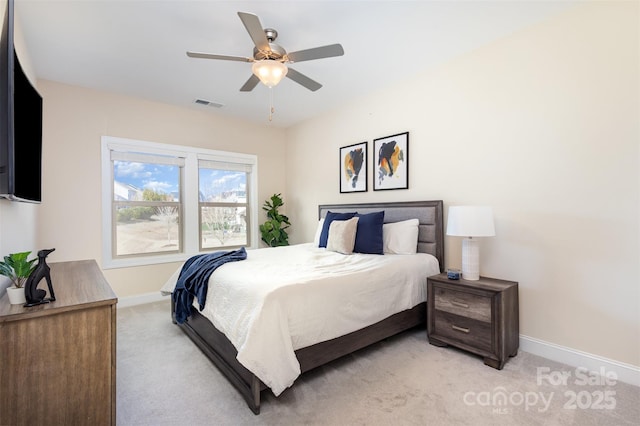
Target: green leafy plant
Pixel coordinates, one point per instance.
(273, 230)
(17, 267)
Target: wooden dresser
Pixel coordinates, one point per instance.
(58, 360)
(478, 316)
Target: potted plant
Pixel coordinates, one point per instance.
(17, 268)
(273, 230)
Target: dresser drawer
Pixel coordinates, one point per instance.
(471, 332)
(465, 304)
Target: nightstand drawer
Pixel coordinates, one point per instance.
(471, 332)
(464, 304)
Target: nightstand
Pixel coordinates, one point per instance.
(477, 316)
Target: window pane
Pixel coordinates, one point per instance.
(223, 226)
(147, 229)
(145, 181)
(152, 228)
(222, 186)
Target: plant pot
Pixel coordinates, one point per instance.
(16, 295)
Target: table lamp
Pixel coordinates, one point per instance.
(469, 222)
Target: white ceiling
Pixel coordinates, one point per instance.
(137, 47)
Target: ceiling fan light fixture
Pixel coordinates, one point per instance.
(269, 71)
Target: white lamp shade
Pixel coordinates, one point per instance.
(470, 221)
(269, 71)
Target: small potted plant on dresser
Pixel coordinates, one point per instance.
(17, 268)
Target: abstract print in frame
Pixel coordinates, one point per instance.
(391, 162)
(353, 168)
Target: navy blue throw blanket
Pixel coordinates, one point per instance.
(194, 279)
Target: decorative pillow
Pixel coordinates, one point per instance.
(369, 235)
(316, 238)
(342, 235)
(401, 237)
(330, 217)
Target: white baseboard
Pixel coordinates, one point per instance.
(125, 302)
(625, 372)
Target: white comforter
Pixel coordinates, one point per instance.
(285, 298)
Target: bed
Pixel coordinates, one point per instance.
(218, 347)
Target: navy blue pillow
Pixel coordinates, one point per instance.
(330, 217)
(369, 233)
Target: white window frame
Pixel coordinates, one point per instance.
(206, 162)
(189, 194)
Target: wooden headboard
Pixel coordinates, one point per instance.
(429, 214)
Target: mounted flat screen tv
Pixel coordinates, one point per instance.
(20, 122)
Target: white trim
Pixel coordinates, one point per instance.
(625, 372)
(141, 299)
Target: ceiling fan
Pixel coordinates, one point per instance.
(269, 58)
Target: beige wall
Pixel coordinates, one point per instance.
(69, 217)
(543, 126)
(18, 225)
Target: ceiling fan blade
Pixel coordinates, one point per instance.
(303, 80)
(254, 28)
(250, 84)
(316, 53)
(223, 57)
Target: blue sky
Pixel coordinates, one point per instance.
(165, 178)
(213, 182)
(160, 178)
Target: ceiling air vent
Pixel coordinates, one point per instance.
(208, 103)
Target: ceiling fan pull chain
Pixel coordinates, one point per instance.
(271, 109)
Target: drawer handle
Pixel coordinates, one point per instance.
(462, 329)
(459, 304)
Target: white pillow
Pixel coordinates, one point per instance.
(316, 238)
(400, 237)
(342, 235)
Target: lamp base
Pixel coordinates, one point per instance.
(470, 259)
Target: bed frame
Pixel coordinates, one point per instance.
(222, 353)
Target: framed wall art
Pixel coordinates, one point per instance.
(353, 168)
(391, 162)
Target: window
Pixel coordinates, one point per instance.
(146, 204)
(165, 203)
(223, 204)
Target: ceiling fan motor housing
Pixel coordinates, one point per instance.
(277, 51)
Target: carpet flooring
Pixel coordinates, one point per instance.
(164, 379)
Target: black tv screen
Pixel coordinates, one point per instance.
(20, 123)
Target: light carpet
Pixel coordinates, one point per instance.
(164, 379)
